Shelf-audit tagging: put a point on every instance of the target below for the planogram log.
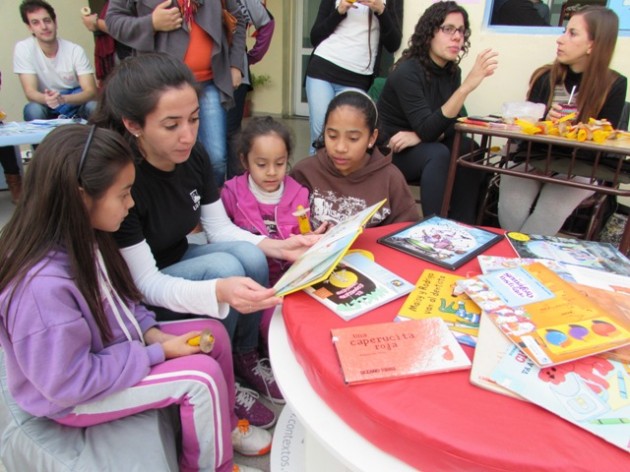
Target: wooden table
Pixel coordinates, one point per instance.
(486, 160)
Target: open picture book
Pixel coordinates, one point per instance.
(319, 260)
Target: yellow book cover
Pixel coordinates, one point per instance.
(545, 316)
(386, 351)
(435, 294)
(319, 260)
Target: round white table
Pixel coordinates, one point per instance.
(330, 444)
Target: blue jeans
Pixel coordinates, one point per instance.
(37, 111)
(221, 260)
(319, 94)
(213, 129)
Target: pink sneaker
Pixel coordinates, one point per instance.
(257, 373)
(249, 407)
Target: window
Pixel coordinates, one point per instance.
(514, 14)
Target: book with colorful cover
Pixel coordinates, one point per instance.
(358, 285)
(435, 295)
(593, 254)
(319, 260)
(491, 263)
(592, 393)
(545, 316)
(608, 290)
(441, 241)
(387, 351)
(492, 346)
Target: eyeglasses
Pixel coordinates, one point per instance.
(86, 148)
(450, 30)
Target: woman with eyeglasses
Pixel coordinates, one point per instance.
(421, 100)
(79, 346)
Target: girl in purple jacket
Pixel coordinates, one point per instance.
(80, 348)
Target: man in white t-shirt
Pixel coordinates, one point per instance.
(56, 75)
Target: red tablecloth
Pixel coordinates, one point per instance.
(438, 422)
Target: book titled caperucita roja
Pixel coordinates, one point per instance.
(386, 351)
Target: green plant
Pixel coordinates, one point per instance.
(260, 80)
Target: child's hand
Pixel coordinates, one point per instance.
(294, 246)
(178, 346)
(321, 229)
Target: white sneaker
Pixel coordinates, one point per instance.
(244, 468)
(249, 440)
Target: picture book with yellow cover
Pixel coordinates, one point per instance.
(546, 317)
(319, 260)
(358, 285)
(436, 294)
(387, 351)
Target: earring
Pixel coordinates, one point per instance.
(137, 135)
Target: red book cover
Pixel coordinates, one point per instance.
(386, 351)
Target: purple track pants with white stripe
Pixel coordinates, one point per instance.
(203, 387)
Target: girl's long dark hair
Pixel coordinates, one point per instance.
(51, 216)
(597, 79)
(427, 27)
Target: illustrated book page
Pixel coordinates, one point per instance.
(545, 316)
(441, 241)
(385, 351)
(596, 255)
(320, 259)
(591, 393)
(435, 294)
(358, 285)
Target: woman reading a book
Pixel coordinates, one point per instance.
(580, 75)
(421, 100)
(80, 348)
(153, 101)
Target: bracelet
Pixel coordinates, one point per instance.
(96, 23)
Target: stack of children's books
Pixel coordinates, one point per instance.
(555, 330)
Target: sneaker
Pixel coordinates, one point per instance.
(250, 408)
(249, 440)
(257, 373)
(244, 468)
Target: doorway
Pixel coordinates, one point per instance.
(305, 14)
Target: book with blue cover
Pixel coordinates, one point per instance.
(446, 243)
